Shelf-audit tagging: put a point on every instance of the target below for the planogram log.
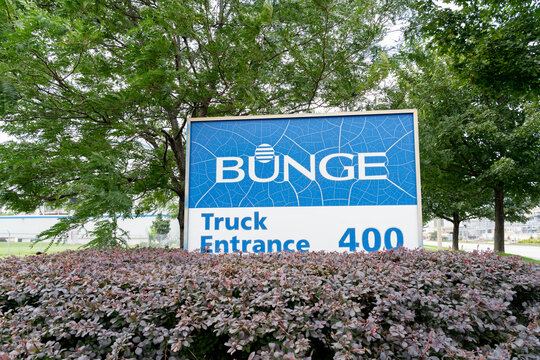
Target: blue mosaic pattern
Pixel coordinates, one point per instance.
(298, 138)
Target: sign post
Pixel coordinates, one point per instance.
(333, 182)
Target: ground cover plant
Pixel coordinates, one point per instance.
(164, 303)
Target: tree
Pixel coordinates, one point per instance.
(161, 226)
(104, 89)
(449, 195)
(492, 43)
(444, 103)
(493, 46)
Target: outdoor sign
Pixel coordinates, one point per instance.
(333, 182)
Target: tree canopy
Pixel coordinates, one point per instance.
(492, 43)
(459, 164)
(490, 49)
(97, 93)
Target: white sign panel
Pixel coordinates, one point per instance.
(334, 182)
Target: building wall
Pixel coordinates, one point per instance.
(483, 229)
(27, 227)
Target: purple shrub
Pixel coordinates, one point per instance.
(160, 303)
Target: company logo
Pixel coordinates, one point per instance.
(231, 169)
(264, 153)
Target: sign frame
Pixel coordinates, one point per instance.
(414, 112)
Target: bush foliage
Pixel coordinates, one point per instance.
(162, 303)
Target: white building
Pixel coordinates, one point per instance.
(483, 229)
(26, 227)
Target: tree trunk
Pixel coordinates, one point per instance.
(177, 147)
(499, 218)
(455, 232)
(180, 219)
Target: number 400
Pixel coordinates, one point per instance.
(348, 240)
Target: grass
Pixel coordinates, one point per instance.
(529, 242)
(523, 257)
(526, 259)
(26, 248)
(434, 248)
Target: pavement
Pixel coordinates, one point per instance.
(532, 252)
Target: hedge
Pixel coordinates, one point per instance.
(170, 304)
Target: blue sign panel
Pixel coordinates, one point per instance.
(342, 163)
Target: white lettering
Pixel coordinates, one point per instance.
(324, 170)
(310, 174)
(347, 172)
(254, 177)
(236, 168)
(362, 165)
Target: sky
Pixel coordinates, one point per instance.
(3, 137)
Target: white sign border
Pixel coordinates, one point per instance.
(414, 112)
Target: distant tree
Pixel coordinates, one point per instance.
(492, 46)
(161, 225)
(104, 89)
